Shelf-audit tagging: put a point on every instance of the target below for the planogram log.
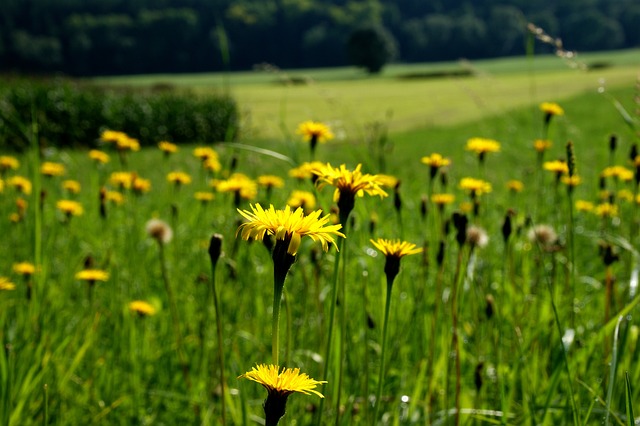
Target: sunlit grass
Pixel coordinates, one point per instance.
(524, 352)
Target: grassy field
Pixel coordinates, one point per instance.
(352, 101)
(529, 326)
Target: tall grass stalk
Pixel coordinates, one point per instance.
(215, 246)
(612, 370)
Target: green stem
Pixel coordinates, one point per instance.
(175, 319)
(216, 305)
(385, 325)
(332, 313)
(565, 358)
(278, 287)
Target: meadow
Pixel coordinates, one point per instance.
(521, 307)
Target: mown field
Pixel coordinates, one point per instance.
(497, 321)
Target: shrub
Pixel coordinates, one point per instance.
(71, 114)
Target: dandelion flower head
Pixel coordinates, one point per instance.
(289, 226)
(22, 184)
(306, 170)
(70, 207)
(7, 162)
(49, 168)
(167, 147)
(314, 130)
(395, 248)
(6, 284)
(435, 160)
(551, 108)
(542, 145)
(349, 182)
(142, 308)
(284, 382)
(240, 184)
(475, 186)
(270, 181)
(482, 145)
(92, 275)
(179, 178)
(304, 199)
(99, 156)
(159, 230)
(24, 268)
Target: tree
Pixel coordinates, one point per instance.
(371, 48)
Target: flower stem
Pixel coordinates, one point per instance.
(173, 308)
(385, 325)
(275, 324)
(216, 306)
(332, 313)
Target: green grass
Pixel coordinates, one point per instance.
(70, 358)
(351, 101)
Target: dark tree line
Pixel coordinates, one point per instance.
(95, 37)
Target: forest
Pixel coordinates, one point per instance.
(113, 37)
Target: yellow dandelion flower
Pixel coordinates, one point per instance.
(306, 170)
(572, 181)
(557, 166)
(542, 145)
(481, 146)
(442, 199)
(584, 206)
(99, 156)
(314, 131)
(111, 136)
(288, 226)
(619, 172)
(7, 162)
(304, 199)
(24, 268)
(70, 207)
(515, 185)
(212, 164)
(73, 186)
(388, 180)
(395, 248)
(240, 184)
(475, 186)
(625, 195)
(49, 168)
(122, 180)
(140, 185)
(22, 184)
(205, 152)
(205, 197)
(114, 196)
(92, 275)
(142, 308)
(1, 185)
(435, 160)
(167, 147)
(283, 383)
(551, 108)
(271, 181)
(179, 178)
(466, 207)
(606, 210)
(6, 284)
(349, 184)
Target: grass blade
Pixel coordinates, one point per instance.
(628, 400)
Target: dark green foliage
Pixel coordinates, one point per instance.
(109, 37)
(71, 115)
(371, 48)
